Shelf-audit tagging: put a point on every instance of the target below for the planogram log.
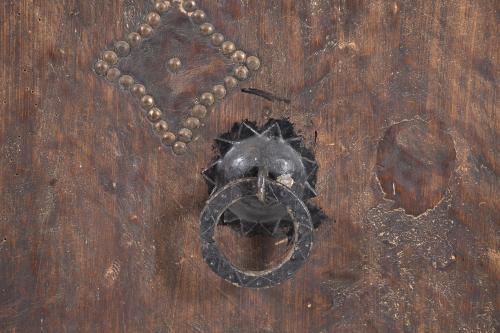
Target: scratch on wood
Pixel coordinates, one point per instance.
(112, 273)
(266, 95)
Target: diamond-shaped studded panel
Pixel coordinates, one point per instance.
(178, 66)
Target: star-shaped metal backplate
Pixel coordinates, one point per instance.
(280, 130)
(178, 66)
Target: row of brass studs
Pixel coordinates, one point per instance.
(106, 66)
(110, 58)
(243, 64)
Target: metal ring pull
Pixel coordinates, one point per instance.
(260, 184)
(236, 191)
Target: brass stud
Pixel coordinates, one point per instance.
(162, 6)
(138, 90)
(207, 29)
(253, 63)
(217, 39)
(192, 123)
(219, 91)
(153, 19)
(110, 57)
(147, 101)
(199, 16)
(134, 39)
(161, 127)
(101, 67)
(174, 64)
(189, 6)
(126, 81)
(122, 48)
(154, 115)
(185, 135)
(199, 111)
(168, 138)
(230, 82)
(145, 30)
(228, 47)
(239, 57)
(113, 74)
(241, 73)
(179, 148)
(207, 99)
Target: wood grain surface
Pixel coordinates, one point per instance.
(398, 99)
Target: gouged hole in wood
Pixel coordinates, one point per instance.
(415, 160)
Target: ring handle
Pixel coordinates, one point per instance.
(235, 191)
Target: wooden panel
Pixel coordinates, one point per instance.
(99, 222)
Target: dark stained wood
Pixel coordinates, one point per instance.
(99, 223)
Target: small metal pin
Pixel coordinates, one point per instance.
(261, 184)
